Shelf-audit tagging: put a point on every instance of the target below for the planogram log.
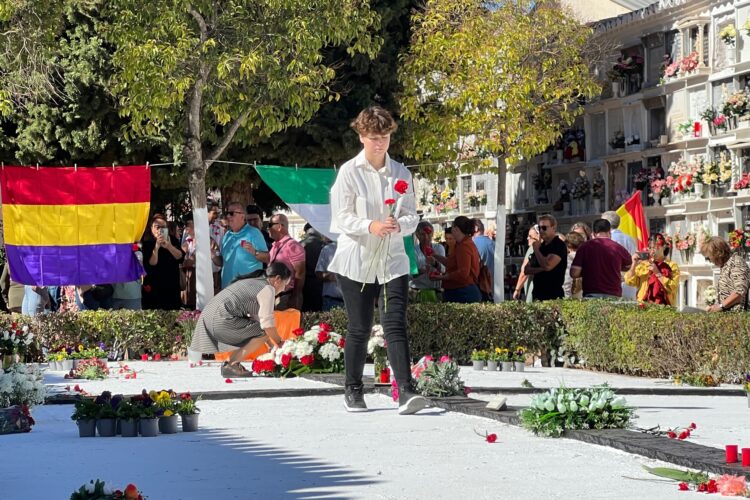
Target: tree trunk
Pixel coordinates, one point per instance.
(204, 282)
(241, 192)
(500, 221)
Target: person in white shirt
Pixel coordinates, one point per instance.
(370, 260)
(626, 241)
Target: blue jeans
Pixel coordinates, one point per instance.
(463, 295)
(360, 308)
(33, 302)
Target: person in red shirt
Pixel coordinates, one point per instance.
(461, 266)
(601, 262)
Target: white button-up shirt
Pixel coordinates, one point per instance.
(358, 198)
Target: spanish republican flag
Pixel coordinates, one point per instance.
(74, 226)
(633, 222)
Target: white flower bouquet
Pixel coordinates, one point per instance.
(560, 409)
(21, 385)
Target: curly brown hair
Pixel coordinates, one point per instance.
(374, 120)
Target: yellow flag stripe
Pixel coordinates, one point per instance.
(68, 225)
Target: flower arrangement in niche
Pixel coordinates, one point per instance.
(598, 186)
(581, 186)
(728, 34)
(689, 62)
(743, 183)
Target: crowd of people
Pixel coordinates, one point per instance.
(603, 262)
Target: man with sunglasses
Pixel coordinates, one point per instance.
(242, 247)
(550, 261)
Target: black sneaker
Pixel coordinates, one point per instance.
(234, 370)
(409, 402)
(354, 398)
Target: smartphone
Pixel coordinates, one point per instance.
(165, 233)
(644, 255)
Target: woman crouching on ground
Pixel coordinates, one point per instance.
(240, 319)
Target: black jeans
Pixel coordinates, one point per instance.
(360, 308)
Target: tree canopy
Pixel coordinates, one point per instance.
(493, 78)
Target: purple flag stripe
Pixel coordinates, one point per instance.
(73, 265)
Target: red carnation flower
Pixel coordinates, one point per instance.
(298, 332)
(390, 201)
(671, 435)
(228, 381)
(693, 426)
(702, 487)
(683, 435)
(286, 359)
(342, 342)
(428, 251)
(683, 487)
(307, 360)
(712, 487)
(323, 337)
(401, 186)
(491, 438)
(325, 327)
(185, 396)
(135, 247)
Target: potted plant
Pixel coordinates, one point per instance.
(519, 358)
(166, 411)
(106, 420)
(128, 414)
(493, 357)
(84, 416)
(507, 360)
(188, 411)
(65, 359)
(148, 422)
(478, 358)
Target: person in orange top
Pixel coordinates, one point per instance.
(462, 265)
(655, 278)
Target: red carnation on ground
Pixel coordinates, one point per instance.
(491, 438)
(693, 426)
(401, 186)
(286, 359)
(683, 435)
(228, 381)
(671, 435)
(323, 337)
(298, 332)
(711, 486)
(702, 487)
(390, 201)
(683, 487)
(307, 360)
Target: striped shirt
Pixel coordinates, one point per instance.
(734, 277)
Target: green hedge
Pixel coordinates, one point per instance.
(606, 335)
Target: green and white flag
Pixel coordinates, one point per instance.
(307, 192)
